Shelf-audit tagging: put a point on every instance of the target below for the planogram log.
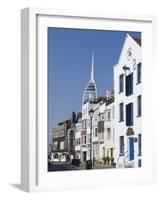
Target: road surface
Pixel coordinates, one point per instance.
(61, 167)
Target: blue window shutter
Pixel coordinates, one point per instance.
(121, 83)
(139, 105)
(139, 163)
(121, 112)
(131, 117)
(139, 144)
(129, 114)
(129, 84)
(138, 73)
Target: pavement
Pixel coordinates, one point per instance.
(96, 166)
(68, 167)
(61, 167)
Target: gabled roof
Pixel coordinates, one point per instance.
(137, 40)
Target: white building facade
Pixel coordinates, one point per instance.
(78, 128)
(115, 133)
(95, 137)
(128, 95)
(99, 142)
(103, 130)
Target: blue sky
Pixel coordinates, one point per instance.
(69, 66)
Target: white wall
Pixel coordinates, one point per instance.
(120, 127)
(10, 97)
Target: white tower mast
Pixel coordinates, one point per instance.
(92, 67)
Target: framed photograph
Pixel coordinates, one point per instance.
(86, 119)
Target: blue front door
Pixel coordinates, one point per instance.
(131, 148)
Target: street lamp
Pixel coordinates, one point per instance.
(91, 113)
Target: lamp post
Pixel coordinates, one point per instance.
(91, 112)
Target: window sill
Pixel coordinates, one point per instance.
(121, 121)
(138, 83)
(138, 116)
(129, 125)
(129, 95)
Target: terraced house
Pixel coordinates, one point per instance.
(95, 134)
(128, 95)
(63, 140)
(107, 133)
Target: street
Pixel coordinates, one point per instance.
(61, 167)
(69, 166)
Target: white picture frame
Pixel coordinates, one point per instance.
(34, 176)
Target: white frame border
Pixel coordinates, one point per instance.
(29, 144)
